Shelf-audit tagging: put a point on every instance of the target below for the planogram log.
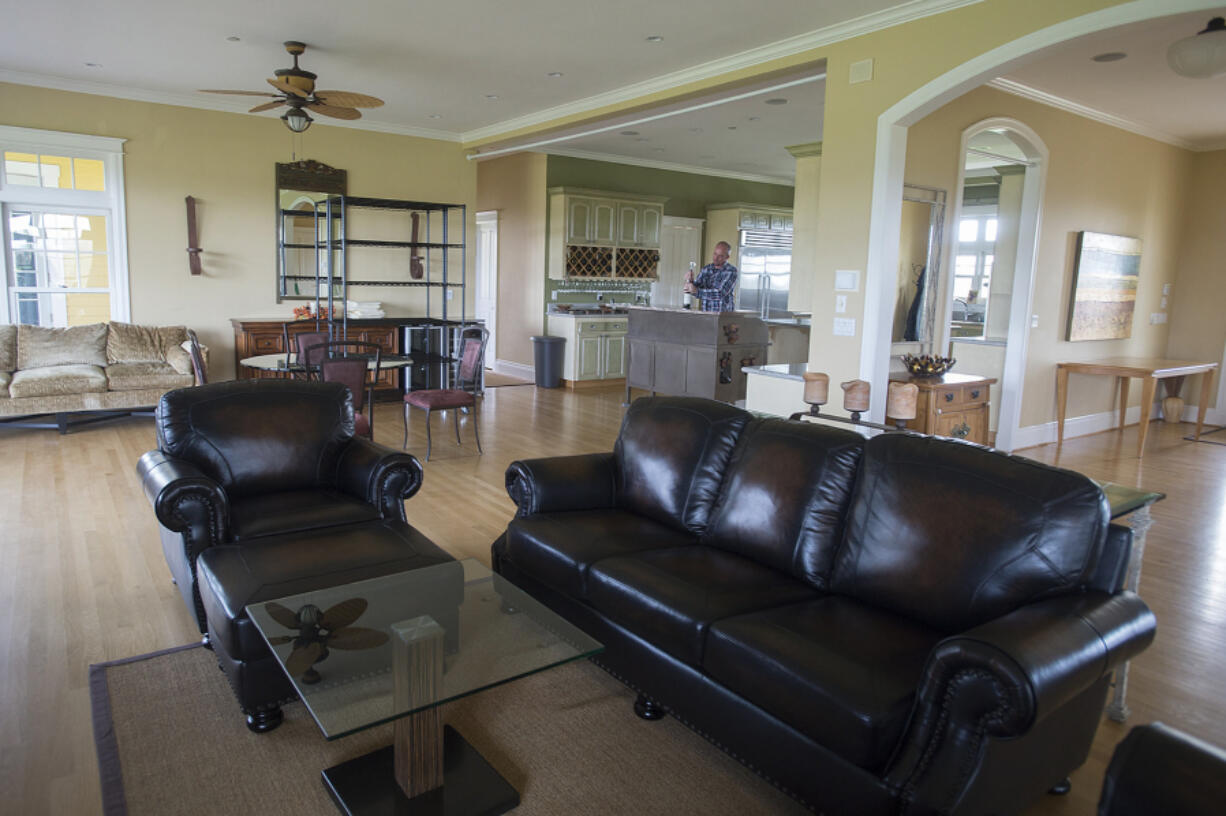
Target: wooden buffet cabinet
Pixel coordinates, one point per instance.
(255, 336)
(954, 405)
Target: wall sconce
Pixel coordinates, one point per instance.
(1202, 55)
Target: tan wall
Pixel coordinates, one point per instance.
(515, 187)
(227, 162)
(1198, 296)
(1100, 179)
(804, 234)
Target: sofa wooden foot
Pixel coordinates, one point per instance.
(1062, 788)
(265, 720)
(647, 708)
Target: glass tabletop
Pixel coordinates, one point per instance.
(368, 652)
(1124, 499)
(277, 362)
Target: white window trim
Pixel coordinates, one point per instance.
(109, 151)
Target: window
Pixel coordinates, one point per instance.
(65, 259)
(973, 261)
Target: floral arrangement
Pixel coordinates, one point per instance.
(304, 312)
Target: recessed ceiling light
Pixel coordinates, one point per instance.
(1110, 56)
(233, 39)
(695, 130)
(655, 38)
(778, 100)
(754, 118)
(642, 139)
(731, 127)
(554, 74)
(630, 133)
(93, 65)
(434, 116)
(491, 96)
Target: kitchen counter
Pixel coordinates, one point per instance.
(785, 371)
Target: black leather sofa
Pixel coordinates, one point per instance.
(1159, 770)
(262, 490)
(903, 625)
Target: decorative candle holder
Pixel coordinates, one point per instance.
(817, 388)
(855, 397)
(900, 403)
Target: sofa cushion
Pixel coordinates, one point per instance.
(55, 381)
(559, 549)
(8, 347)
(670, 458)
(38, 347)
(953, 535)
(670, 597)
(138, 376)
(5, 379)
(839, 671)
(294, 510)
(785, 496)
(129, 343)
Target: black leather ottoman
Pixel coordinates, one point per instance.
(232, 576)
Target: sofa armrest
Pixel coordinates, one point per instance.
(1157, 769)
(998, 679)
(184, 499)
(560, 483)
(381, 475)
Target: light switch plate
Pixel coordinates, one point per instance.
(450, 294)
(840, 303)
(1157, 318)
(844, 327)
(554, 294)
(1163, 303)
(861, 71)
(1166, 288)
(1034, 321)
(847, 280)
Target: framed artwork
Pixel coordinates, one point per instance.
(1105, 274)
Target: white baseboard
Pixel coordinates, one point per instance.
(510, 369)
(1214, 416)
(1033, 435)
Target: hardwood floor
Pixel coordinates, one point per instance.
(83, 579)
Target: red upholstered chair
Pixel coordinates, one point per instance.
(298, 345)
(356, 365)
(464, 395)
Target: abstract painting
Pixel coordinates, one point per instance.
(1107, 268)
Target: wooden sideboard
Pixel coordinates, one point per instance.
(255, 336)
(954, 405)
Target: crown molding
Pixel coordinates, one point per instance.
(802, 151)
(673, 166)
(1051, 100)
(202, 102)
(788, 47)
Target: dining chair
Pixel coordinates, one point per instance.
(296, 347)
(197, 356)
(464, 395)
(355, 364)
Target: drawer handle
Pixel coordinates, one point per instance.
(949, 397)
(961, 431)
(975, 394)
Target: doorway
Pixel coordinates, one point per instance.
(485, 302)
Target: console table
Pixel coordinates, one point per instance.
(952, 404)
(1149, 370)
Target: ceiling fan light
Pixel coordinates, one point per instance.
(297, 120)
(1202, 55)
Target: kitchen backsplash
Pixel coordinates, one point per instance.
(620, 292)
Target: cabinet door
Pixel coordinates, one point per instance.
(956, 424)
(746, 220)
(579, 221)
(649, 225)
(588, 358)
(761, 221)
(628, 224)
(776, 222)
(614, 348)
(604, 222)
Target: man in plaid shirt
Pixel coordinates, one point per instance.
(716, 283)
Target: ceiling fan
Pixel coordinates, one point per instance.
(320, 630)
(297, 90)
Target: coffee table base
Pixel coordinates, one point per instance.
(367, 786)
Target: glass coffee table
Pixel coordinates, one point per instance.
(394, 649)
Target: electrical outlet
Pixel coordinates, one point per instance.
(1163, 303)
(1034, 321)
(1166, 288)
(840, 303)
(555, 294)
(844, 327)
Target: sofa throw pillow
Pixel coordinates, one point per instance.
(8, 347)
(38, 347)
(127, 343)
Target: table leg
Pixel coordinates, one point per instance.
(1140, 522)
(1206, 385)
(1148, 386)
(1061, 401)
(1124, 383)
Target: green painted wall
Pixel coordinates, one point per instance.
(688, 193)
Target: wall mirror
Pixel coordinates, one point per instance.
(919, 265)
(300, 186)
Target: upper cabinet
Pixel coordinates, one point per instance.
(592, 233)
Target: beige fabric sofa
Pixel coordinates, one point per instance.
(103, 367)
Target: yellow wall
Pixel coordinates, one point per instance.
(515, 187)
(1198, 330)
(227, 162)
(804, 234)
(1100, 179)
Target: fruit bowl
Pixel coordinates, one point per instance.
(926, 365)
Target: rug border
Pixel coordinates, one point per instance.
(110, 773)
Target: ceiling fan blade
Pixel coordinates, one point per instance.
(267, 106)
(348, 99)
(357, 637)
(343, 613)
(239, 93)
(333, 111)
(281, 85)
(300, 660)
(282, 615)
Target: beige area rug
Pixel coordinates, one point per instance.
(171, 741)
(493, 380)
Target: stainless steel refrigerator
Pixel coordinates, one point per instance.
(764, 260)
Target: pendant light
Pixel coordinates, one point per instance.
(297, 120)
(1202, 55)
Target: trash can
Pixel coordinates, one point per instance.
(547, 355)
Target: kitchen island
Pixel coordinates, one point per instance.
(685, 352)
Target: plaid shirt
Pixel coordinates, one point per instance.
(716, 287)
